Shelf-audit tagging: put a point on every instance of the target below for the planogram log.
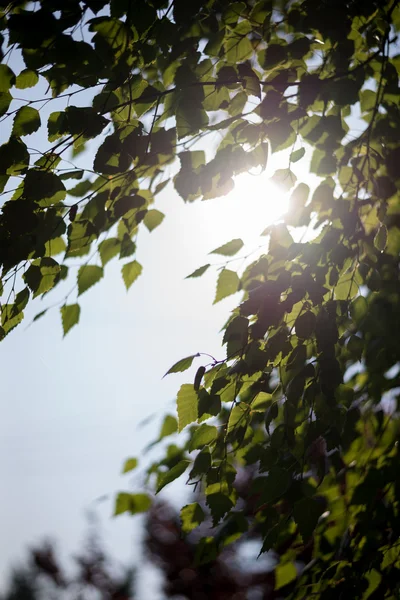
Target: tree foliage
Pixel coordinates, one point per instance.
(311, 351)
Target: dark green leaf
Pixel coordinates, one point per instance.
(198, 272)
(7, 78)
(198, 377)
(297, 155)
(306, 513)
(182, 365)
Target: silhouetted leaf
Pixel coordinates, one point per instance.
(198, 272)
(182, 365)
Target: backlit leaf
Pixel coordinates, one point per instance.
(26, 121)
(26, 79)
(88, 275)
(203, 436)
(132, 503)
(191, 516)
(70, 314)
(172, 474)
(229, 249)
(130, 272)
(228, 283)
(187, 406)
(129, 465)
(153, 219)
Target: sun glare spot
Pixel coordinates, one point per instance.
(255, 203)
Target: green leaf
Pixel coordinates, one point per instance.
(297, 155)
(172, 474)
(182, 365)
(26, 79)
(26, 121)
(230, 248)
(359, 309)
(219, 504)
(191, 516)
(153, 218)
(228, 283)
(261, 402)
(203, 436)
(132, 503)
(81, 189)
(380, 240)
(88, 275)
(347, 286)
(5, 101)
(206, 551)
(305, 325)
(236, 335)
(130, 272)
(198, 378)
(130, 464)
(276, 484)
(108, 249)
(70, 314)
(306, 513)
(43, 187)
(198, 272)
(284, 574)
(7, 78)
(187, 405)
(169, 426)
